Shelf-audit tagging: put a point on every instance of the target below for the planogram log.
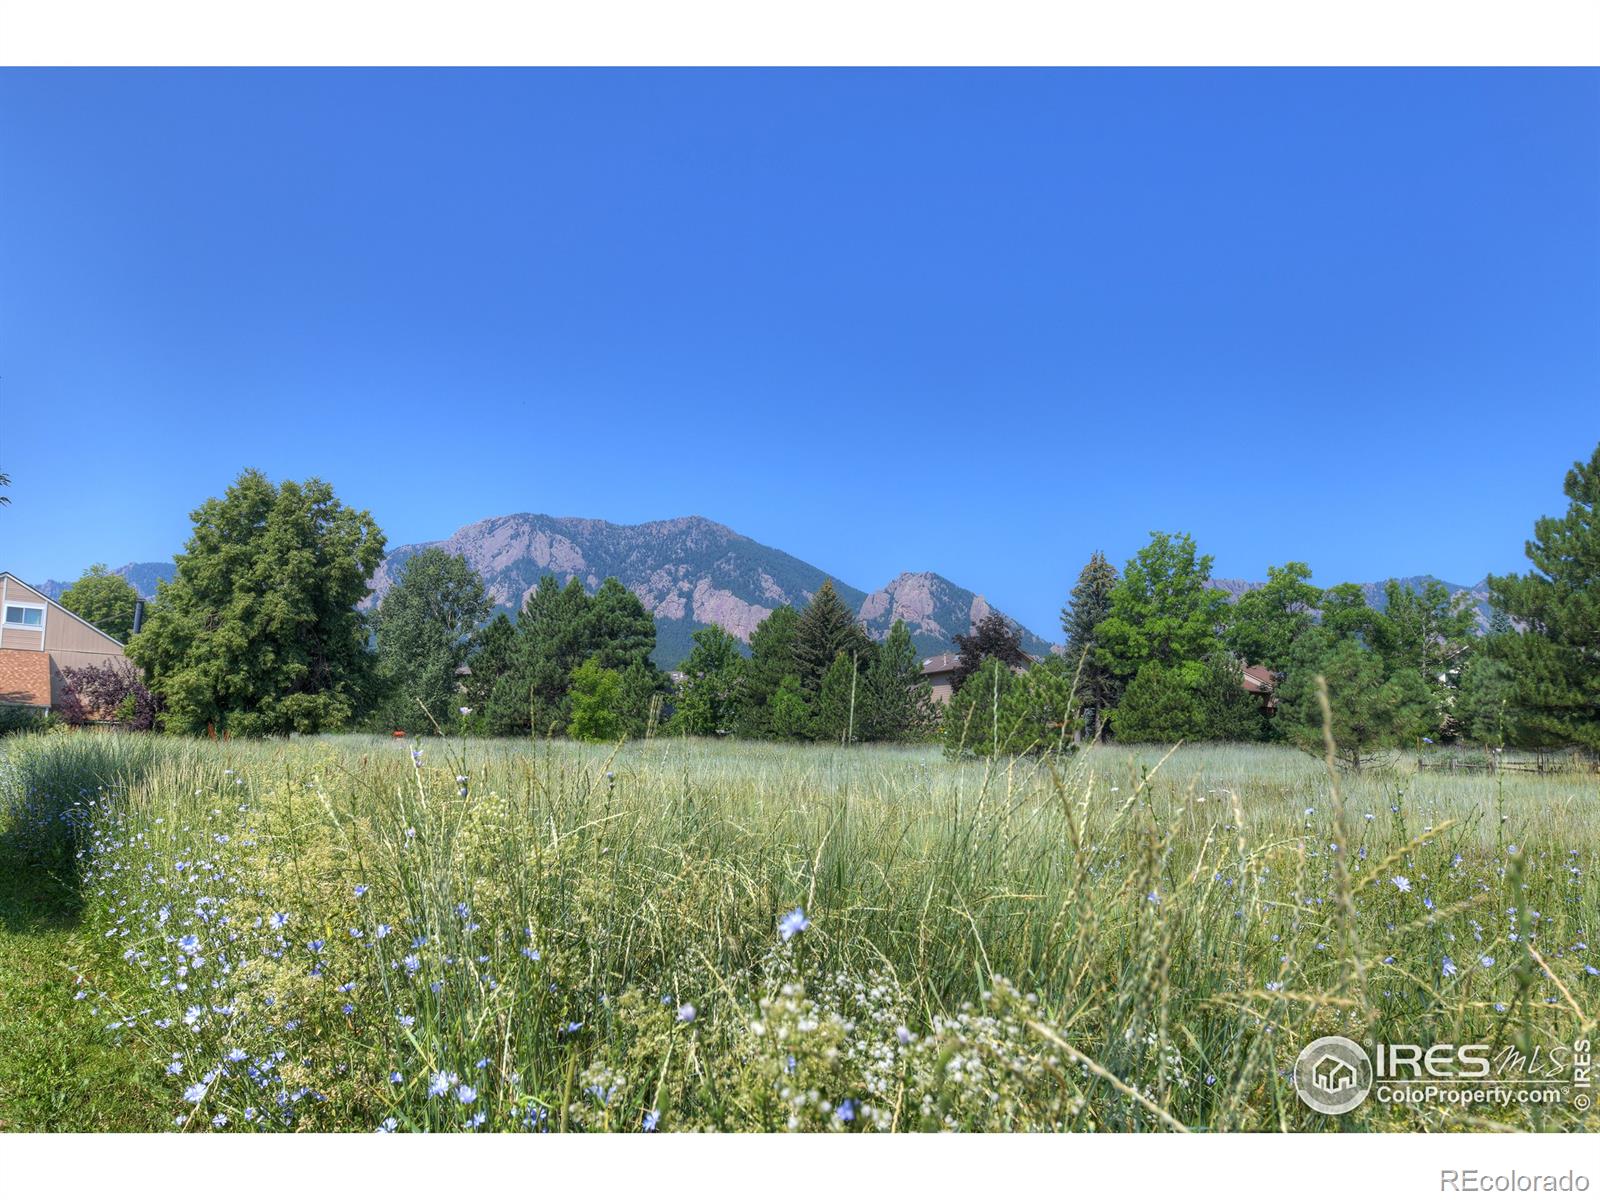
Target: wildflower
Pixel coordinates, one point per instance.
(411, 963)
(477, 1118)
(651, 1118)
(466, 1093)
(1487, 960)
(278, 920)
(792, 923)
(174, 1068)
(686, 1013)
(382, 931)
(195, 1092)
(389, 1125)
(1275, 986)
(1449, 968)
(530, 953)
(237, 1055)
(396, 1077)
(1210, 1079)
(1590, 970)
(1427, 903)
(218, 1121)
(406, 1021)
(461, 778)
(188, 943)
(846, 1111)
(1429, 741)
(315, 945)
(903, 1035)
(439, 1084)
(1500, 1008)
(361, 890)
(466, 710)
(1401, 882)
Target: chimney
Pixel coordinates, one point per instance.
(138, 615)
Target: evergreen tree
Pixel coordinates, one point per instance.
(489, 659)
(620, 631)
(973, 715)
(1554, 663)
(991, 637)
(644, 693)
(425, 625)
(596, 702)
(1486, 703)
(552, 640)
(259, 632)
(1160, 704)
(1098, 687)
(772, 660)
(826, 629)
(708, 697)
(103, 599)
(1040, 712)
(1371, 710)
(839, 701)
(896, 701)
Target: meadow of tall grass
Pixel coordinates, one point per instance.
(353, 933)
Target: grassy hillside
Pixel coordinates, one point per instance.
(343, 934)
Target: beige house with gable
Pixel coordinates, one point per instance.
(39, 639)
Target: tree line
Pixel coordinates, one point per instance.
(261, 632)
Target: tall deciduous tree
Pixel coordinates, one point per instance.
(103, 599)
(826, 629)
(708, 696)
(1162, 612)
(1098, 686)
(259, 633)
(1555, 662)
(992, 637)
(1265, 623)
(426, 626)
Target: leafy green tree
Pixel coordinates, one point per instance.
(259, 633)
(788, 714)
(596, 698)
(992, 636)
(896, 702)
(826, 629)
(426, 626)
(103, 599)
(1163, 613)
(1265, 623)
(1099, 688)
(1428, 632)
(1554, 662)
(771, 662)
(708, 697)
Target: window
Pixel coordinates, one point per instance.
(29, 615)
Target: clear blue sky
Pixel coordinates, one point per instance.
(976, 322)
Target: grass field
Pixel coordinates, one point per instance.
(355, 934)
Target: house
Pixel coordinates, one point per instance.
(941, 668)
(1263, 682)
(39, 640)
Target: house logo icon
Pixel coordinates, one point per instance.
(1333, 1075)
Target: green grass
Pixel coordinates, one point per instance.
(1086, 944)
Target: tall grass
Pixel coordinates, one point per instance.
(350, 933)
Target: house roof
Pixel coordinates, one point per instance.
(1260, 680)
(57, 607)
(25, 677)
(940, 663)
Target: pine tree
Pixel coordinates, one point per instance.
(839, 701)
(993, 636)
(788, 715)
(489, 660)
(1098, 687)
(826, 629)
(1553, 662)
(771, 661)
(896, 702)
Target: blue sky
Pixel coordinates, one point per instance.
(977, 322)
